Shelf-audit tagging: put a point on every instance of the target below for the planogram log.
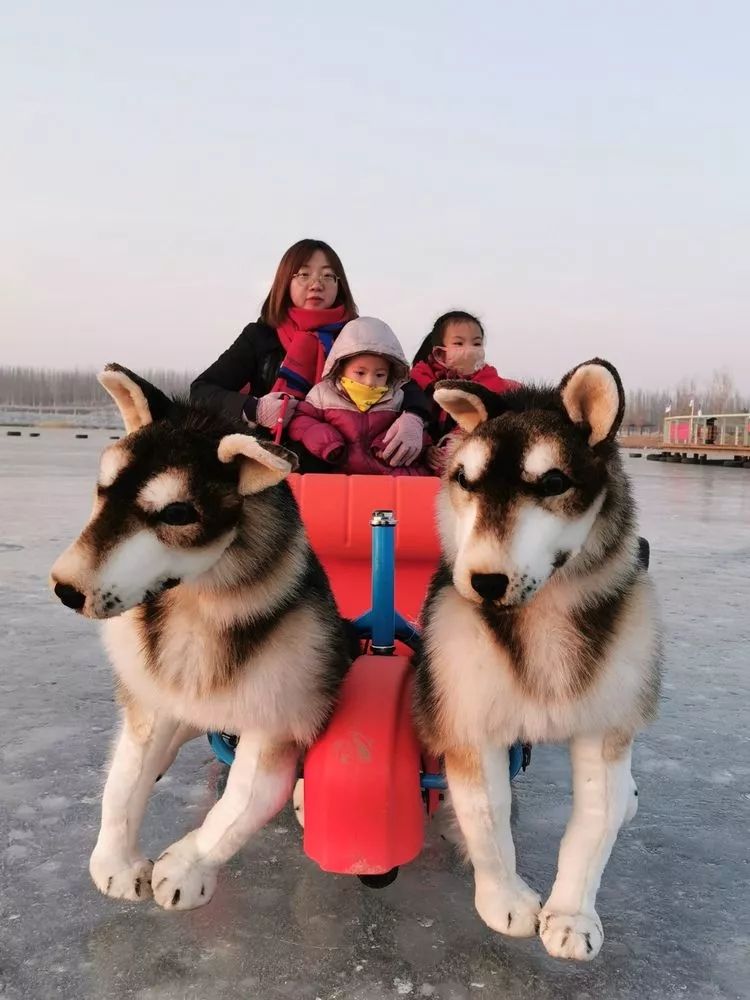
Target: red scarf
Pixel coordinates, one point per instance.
(307, 336)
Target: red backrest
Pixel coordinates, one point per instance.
(336, 510)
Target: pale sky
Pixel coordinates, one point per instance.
(578, 174)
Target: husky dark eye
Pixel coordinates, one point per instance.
(553, 483)
(178, 513)
(460, 477)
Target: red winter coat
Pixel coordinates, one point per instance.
(427, 373)
(328, 424)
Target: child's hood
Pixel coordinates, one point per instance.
(367, 335)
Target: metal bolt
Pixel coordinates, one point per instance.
(383, 518)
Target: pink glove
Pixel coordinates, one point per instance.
(403, 440)
(270, 407)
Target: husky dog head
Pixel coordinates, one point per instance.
(168, 500)
(534, 483)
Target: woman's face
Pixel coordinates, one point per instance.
(315, 285)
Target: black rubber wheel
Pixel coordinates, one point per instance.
(379, 881)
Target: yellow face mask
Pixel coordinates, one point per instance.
(363, 396)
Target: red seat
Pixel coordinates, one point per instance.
(336, 510)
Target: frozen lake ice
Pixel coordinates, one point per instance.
(674, 899)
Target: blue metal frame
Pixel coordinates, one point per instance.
(438, 781)
(223, 750)
(382, 625)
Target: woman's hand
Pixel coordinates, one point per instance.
(403, 440)
(271, 407)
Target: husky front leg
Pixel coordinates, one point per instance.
(148, 742)
(481, 796)
(259, 784)
(604, 796)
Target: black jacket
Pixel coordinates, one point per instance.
(255, 357)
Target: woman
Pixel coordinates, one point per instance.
(283, 354)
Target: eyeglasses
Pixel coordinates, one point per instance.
(306, 278)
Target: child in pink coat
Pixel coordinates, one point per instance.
(344, 418)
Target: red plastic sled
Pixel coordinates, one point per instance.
(364, 812)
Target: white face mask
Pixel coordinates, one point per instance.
(465, 359)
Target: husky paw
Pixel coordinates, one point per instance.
(577, 935)
(511, 910)
(180, 881)
(120, 878)
(298, 799)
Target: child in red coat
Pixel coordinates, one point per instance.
(453, 349)
(343, 420)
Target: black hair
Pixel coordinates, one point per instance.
(436, 335)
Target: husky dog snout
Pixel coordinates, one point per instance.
(127, 554)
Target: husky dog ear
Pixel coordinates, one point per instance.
(592, 395)
(138, 401)
(262, 463)
(469, 404)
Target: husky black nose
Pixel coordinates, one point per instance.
(70, 597)
(489, 586)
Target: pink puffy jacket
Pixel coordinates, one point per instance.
(329, 425)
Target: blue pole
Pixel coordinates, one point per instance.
(383, 614)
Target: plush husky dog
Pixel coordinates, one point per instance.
(539, 626)
(219, 617)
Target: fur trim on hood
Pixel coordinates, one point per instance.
(367, 335)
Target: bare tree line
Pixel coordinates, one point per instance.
(647, 408)
(52, 387)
